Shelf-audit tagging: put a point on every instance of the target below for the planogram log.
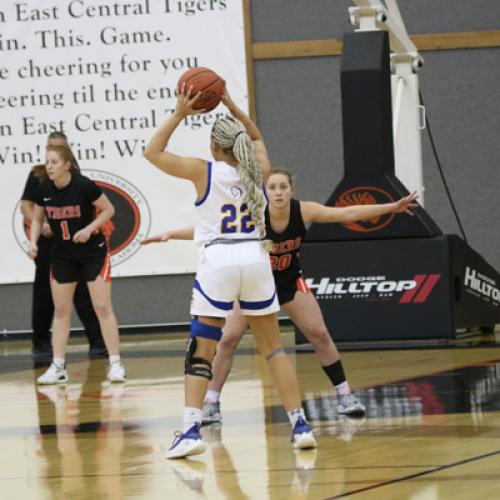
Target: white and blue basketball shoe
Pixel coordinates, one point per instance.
(186, 443)
(302, 436)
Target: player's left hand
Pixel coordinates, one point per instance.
(227, 101)
(82, 236)
(404, 204)
(46, 231)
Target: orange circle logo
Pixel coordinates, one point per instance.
(132, 218)
(366, 195)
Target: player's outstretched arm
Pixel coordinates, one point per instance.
(192, 169)
(315, 212)
(182, 233)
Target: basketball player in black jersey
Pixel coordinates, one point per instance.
(68, 201)
(42, 310)
(286, 220)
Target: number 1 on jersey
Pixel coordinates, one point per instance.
(65, 230)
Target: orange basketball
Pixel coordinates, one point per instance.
(206, 81)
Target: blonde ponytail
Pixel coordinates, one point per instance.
(231, 136)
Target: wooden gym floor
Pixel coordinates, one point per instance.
(432, 429)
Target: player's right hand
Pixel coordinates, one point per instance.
(186, 100)
(406, 203)
(159, 238)
(33, 251)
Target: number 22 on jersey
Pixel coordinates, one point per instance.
(236, 219)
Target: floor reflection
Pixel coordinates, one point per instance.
(473, 389)
(82, 437)
(92, 439)
(226, 475)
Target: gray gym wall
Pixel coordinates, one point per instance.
(298, 110)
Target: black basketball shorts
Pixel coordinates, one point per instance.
(286, 291)
(74, 262)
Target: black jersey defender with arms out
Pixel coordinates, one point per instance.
(285, 260)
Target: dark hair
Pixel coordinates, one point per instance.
(67, 155)
(40, 172)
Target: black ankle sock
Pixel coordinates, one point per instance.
(335, 372)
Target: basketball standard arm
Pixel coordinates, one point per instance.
(407, 111)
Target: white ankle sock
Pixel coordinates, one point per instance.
(212, 396)
(115, 358)
(295, 414)
(191, 416)
(59, 362)
(343, 389)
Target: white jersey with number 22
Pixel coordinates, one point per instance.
(222, 212)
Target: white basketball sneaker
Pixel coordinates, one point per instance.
(211, 413)
(116, 372)
(54, 375)
(302, 436)
(186, 443)
(349, 404)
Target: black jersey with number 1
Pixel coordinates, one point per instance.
(70, 209)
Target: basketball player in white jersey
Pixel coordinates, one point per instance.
(234, 261)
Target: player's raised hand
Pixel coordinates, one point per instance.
(406, 203)
(158, 238)
(227, 101)
(186, 100)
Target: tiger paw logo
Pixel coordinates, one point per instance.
(366, 195)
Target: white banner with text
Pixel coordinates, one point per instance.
(105, 73)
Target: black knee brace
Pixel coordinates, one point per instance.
(197, 371)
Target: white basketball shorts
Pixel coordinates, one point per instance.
(228, 272)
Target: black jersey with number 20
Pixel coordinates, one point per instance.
(286, 246)
(70, 208)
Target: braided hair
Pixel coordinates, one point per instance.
(231, 136)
